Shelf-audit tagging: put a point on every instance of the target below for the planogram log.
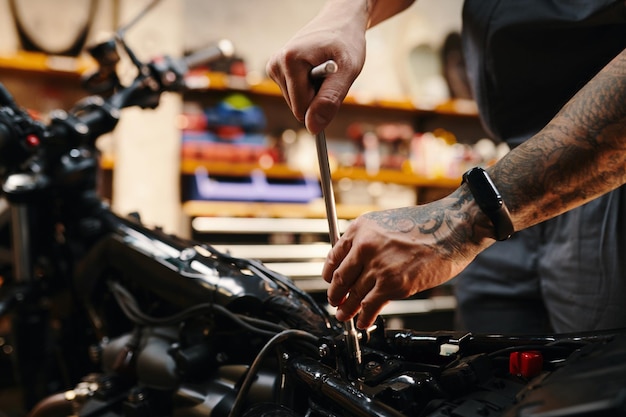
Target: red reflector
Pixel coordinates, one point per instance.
(32, 141)
(527, 364)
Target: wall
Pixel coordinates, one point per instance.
(147, 142)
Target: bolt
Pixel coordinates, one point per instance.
(136, 396)
(187, 254)
(323, 350)
(82, 128)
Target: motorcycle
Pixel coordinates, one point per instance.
(108, 317)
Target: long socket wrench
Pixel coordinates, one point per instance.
(350, 333)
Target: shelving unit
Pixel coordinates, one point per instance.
(209, 87)
(41, 82)
(66, 73)
(460, 116)
(63, 75)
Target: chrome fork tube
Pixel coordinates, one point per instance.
(21, 237)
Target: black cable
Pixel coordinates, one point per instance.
(131, 309)
(258, 361)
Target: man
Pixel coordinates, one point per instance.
(558, 64)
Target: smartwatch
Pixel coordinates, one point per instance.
(490, 202)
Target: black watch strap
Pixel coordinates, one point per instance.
(490, 202)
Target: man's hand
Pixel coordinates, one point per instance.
(337, 33)
(393, 254)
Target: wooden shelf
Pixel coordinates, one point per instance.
(189, 166)
(107, 162)
(212, 81)
(46, 64)
(396, 177)
(315, 210)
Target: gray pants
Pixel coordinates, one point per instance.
(565, 275)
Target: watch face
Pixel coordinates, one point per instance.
(44, 26)
(484, 190)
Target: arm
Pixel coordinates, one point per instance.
(578, 156)
(380, 10)
(396, 253)
(338, 33)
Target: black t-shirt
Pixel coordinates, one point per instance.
(527, 58)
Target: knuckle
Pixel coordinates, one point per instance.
(338, 279)
(369, 307)
(271, 68)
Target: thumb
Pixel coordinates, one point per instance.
(326, 103)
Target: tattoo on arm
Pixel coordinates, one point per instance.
(578, 156)
(446, 222)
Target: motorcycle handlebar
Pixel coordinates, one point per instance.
(168, 73)
(95, 116)
(223, 49)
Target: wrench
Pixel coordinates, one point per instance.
(349, 329)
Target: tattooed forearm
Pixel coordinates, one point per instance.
(447, 223)
(393, 221)
(578, 156)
